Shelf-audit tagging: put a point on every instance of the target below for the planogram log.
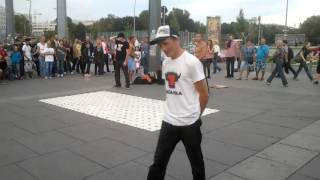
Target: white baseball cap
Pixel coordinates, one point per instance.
(163, 33)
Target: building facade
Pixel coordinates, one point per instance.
(2, 22)
(38, 29)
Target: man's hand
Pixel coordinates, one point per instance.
(125, 63)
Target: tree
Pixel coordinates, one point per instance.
(311, 27)
(22, 24)
(144, 19)
(242, 24)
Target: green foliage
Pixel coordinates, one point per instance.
(22, 24)
(311, 27)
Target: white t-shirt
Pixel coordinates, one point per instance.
(182, 107)
(42, 47)
(49, 58)
(27, 51)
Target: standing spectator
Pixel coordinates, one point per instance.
(49, 60)
(230, 56)
(121, 60)
(216, 54)
(261, 62)
(54, 41)
(35, 55)
(186, 99)
(67, 66)
(201, 51)
(288, 56)
(145, 55)
(209, 56)
(76, 55)
(105, 52)
(42, 45)
(237, 61)
(131, 58)
(247, 55)
(278, 57)
(304, 52)
(87, 54)
(98, 58)
(61, 58)
(3, 62)
(112, 53)
(27, 58)
(16, 59)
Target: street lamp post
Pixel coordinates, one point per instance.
(286, 23)
(134, 17)
(30, 20)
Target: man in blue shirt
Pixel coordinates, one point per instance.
(262, 56)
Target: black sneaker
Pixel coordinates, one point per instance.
(117, 86)
(128, 87)
(316, 82)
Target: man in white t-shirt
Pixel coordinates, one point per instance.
(186, 98)
(26, 49)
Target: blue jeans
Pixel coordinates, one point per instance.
(48, 70)
(278, 70)
(303, 65)
(60, 66)
(42, 66)
(216, 66)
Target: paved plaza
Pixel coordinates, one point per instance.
(73, 129)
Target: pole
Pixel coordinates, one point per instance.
(154, 23)
(164, 15)
(134, 18)
(10, 24)
(286, 23)
(259, 36)
(30, 20)
(62, 18)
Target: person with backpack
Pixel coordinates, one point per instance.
(278, 57)
(303, 54)
(247, 59)
(288, 57)
(16, 59)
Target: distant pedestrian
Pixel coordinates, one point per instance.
(278, 57)
(216, 57)
(121, 60)
(230, 56)
(247, 59)
(303, 58)
(261, 60)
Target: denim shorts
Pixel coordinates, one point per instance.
(131, 64)
(261, 66)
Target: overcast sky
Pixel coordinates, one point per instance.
(271, 11)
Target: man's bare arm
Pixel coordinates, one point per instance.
(202, 89)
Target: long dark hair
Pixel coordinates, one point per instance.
(211, 44)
